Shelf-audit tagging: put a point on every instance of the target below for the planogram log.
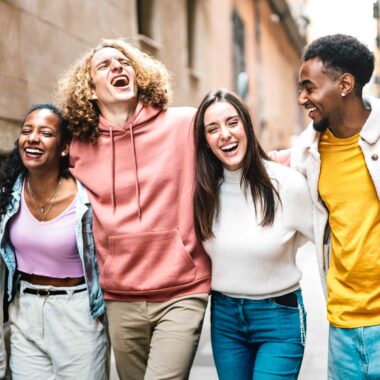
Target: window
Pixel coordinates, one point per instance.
(190, 32)
(240, 76)
(145, 17)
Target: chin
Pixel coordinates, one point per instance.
(321, 126)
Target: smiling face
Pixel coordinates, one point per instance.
(225, 134)
(39, 143)
(113, 77)
(320, 94)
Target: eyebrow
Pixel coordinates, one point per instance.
(304, 82)
(101, 62)
(228, 119)
(39, 127)
(107, 60)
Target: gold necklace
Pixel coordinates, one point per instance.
(41, 209)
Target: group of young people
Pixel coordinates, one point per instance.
(119, 215)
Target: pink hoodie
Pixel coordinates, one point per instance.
(140, 182)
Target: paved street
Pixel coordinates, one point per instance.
(315, 359)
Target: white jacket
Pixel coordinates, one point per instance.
(306, 159)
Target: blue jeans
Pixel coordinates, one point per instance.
(354, 353)
(257, 339)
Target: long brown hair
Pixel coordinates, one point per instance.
(209, 170)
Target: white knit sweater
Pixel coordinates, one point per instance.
(257, 262)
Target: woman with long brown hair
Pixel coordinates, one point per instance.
(250, 214)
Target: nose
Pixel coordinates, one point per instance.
(34, 137)
(225, 132)
(115, 64)
(302, 98)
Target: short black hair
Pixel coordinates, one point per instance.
(344, 54)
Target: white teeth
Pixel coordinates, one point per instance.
(33, 151)
(123, 79)
(229, 147)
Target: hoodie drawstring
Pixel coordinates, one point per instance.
(113, 200)
(137, 188)
(150, 114)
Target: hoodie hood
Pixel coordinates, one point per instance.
(142, 116)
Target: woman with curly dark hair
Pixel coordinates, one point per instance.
(47, 249)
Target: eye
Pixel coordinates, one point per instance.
(46, 134)
(212, 129)
(233, 122)
(25, 131)
(307, 89)
(125, 62)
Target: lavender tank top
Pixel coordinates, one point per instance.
(46, 248)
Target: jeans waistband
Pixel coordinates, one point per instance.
(217, 294)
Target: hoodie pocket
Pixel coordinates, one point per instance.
(147, 261)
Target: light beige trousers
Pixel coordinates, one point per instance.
(156, 340)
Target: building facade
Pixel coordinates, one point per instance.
(252, 47)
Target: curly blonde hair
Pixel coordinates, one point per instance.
(74, 88)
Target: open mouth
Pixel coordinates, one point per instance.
(311, 111)
(120, 81)
(229, 148)
(34, 152)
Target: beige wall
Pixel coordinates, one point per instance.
(39, 39)
(273, 70)
(280, 84)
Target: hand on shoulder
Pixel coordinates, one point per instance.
(281, 156)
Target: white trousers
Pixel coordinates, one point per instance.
(54, 337)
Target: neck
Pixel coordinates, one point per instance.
(353, 116)
(44, 183)
(118, 113)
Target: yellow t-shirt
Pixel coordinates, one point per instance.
(346, 188)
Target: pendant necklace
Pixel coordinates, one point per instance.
(44, 209)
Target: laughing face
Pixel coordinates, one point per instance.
(225, 134)
(39, 142)
(113, 77)
(320, 94)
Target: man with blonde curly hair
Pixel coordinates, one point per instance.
(135, 155)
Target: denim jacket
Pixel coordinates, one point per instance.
(3, 355)
(85, 244)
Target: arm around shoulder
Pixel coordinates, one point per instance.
(300, 205)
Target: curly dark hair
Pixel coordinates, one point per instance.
(12, 166)
(342, 53)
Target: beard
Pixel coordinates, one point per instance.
(321, 126)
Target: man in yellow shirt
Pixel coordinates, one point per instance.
(339, 154)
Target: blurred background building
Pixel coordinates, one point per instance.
(250, 46)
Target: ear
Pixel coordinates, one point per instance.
(65, 150)
(93, 94)
(347, 84)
